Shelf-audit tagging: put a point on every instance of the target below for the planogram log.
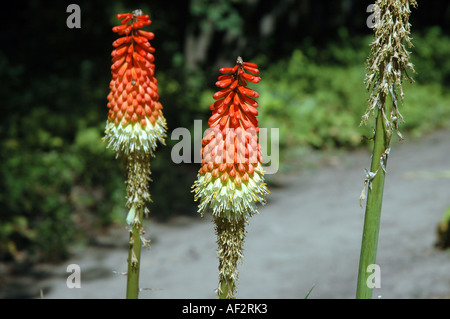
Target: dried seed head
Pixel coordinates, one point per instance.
(230, 240)
(388, 62)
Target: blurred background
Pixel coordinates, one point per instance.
(60, 186)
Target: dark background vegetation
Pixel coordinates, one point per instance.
(59, 185)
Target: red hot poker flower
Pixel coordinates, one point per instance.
(135, 120)
(231, 180)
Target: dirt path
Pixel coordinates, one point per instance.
(308, 234)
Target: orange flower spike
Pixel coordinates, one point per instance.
(231, 179)
(137, 123)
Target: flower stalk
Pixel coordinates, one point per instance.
(387, 67)
(134, 126)
(373, 209)
(230, 240)
(231, 180)
(134, 256)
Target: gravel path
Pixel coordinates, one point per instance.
(308, 234)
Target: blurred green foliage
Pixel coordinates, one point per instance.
(318, 99)
(59, 184)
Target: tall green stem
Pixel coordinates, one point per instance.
(373, 208)
(134, 256)
(386, 67)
